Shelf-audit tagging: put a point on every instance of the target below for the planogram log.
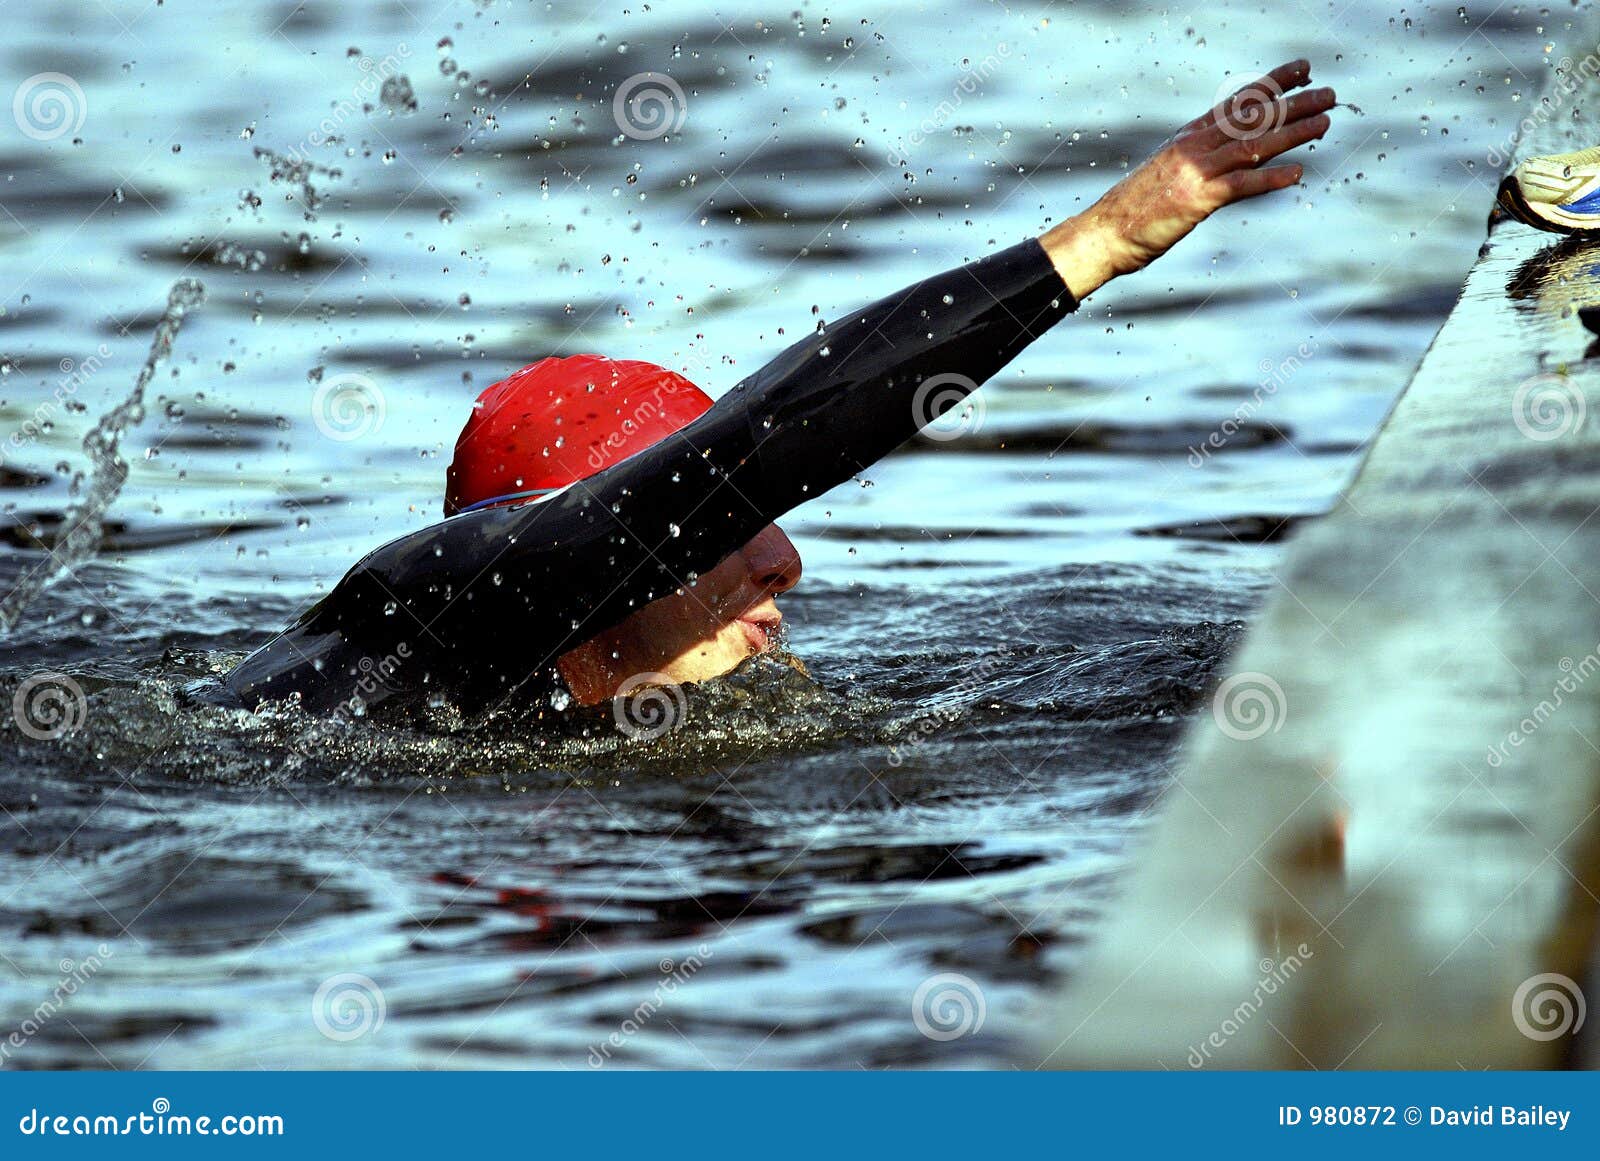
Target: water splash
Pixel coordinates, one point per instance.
(85, 520)
(298, 172)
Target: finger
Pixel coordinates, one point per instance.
(1252, 110)
(1253, 120)
(1252, 152)
(1249, 183)
(1280, 80)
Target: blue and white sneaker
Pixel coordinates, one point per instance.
(1560, 192)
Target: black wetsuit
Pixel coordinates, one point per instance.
(475, 607)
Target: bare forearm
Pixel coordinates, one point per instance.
(1081, 253)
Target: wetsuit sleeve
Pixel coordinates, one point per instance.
(843, 398)
(473, 607)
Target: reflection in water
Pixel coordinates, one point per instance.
(1562, 279)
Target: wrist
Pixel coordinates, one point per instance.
(1082, 250)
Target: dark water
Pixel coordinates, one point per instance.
(1005, 631)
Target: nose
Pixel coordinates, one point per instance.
(773, 559)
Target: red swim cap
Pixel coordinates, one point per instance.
(560, 420)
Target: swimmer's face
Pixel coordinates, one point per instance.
(701, 631)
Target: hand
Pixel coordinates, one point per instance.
(1213, 161)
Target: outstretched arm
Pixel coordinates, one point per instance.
(927, 346)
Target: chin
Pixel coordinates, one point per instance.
(726, 654)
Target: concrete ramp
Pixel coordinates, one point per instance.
(1383, 849)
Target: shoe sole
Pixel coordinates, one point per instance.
(1541, 215)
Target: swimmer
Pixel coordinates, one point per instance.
(605, 519)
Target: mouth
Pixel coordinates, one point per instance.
(763, 633)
